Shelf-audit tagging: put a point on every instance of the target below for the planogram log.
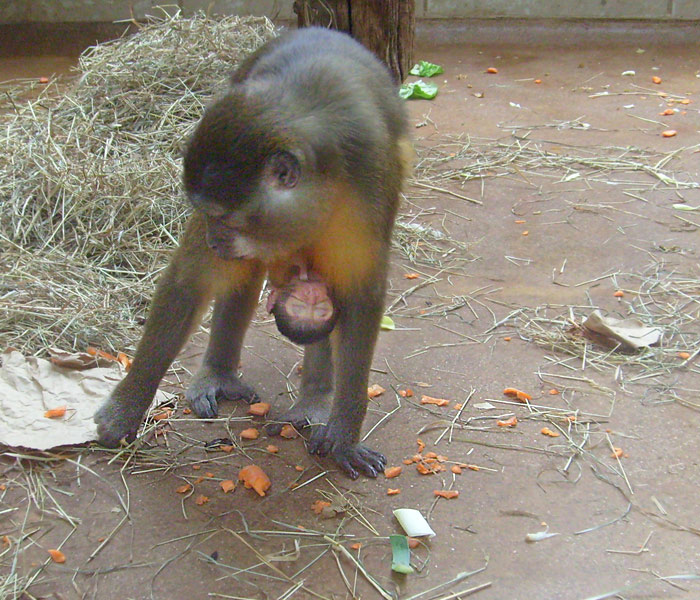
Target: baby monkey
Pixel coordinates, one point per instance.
(295, 172)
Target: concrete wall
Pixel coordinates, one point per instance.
(23, 11)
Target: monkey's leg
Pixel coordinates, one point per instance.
(177, 307)
(313, 406)
(218, 378)
(353, 346)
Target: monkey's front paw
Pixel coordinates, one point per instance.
(115, 423)
(352, 458)
(207, 388)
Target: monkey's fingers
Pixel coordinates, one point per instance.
(207, 388)
(114, 425)
(359, 457)
(204, 403)
(352, 458)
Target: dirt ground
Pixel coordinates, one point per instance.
(549, 241)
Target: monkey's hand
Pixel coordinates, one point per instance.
(209, 386)
(120, 416)
(335, 441)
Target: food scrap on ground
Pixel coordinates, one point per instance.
(254, 477)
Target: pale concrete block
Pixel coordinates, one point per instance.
(56, 11)
(686, 9)
(544, 9)
(273, 9)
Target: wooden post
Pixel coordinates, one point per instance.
(386, 27)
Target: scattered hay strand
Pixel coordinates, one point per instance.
(89, 180)
(463, 158)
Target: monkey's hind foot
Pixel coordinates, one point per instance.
(208, 387)
(302, 415)
(352, 458)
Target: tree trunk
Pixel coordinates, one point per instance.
(386, 27)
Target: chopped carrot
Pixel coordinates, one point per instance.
(456, 469)
(668, 112)
(56, 555)
(259, 409)
(436, 401)
(526, 232)
(209, 474)
(124, 360)
(228, 448)
(254, 477)
(413, 543)
(164, 414)
(201, 500)
(186, 411)
(655, 79)
(553, 392)
(375, 390)
(446, 493)
(669, 133)
(617, 453)
(250, 434)
(457, 406)
(430, 455)
(549, 432)
(512, 422)
(391, 472)
(272, 449)
(684, 355)
(289, 432)
(492, 70)
(423, 469)
(474, 467)
(196, 467)
(393, 491)
(507, 338)
(421, 445)
(408, 461)
(43, 79)
(298, 468)
(619, 294)
(56, 413)
(6, 540)
(520, 396)
(538, 81)
(228, 485)
(411, 276)
(97, 353)
(355, 546)
(571, 418)
(184, 488)
(319, 505)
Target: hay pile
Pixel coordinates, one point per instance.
(90, 198)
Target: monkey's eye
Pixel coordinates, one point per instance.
(284, 169)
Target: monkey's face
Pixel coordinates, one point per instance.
(253, 182)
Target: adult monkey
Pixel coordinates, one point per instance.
(295, 171)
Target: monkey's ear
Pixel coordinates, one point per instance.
(282, 169)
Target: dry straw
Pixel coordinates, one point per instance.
(90, 199)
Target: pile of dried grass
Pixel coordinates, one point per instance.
(89, 180)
